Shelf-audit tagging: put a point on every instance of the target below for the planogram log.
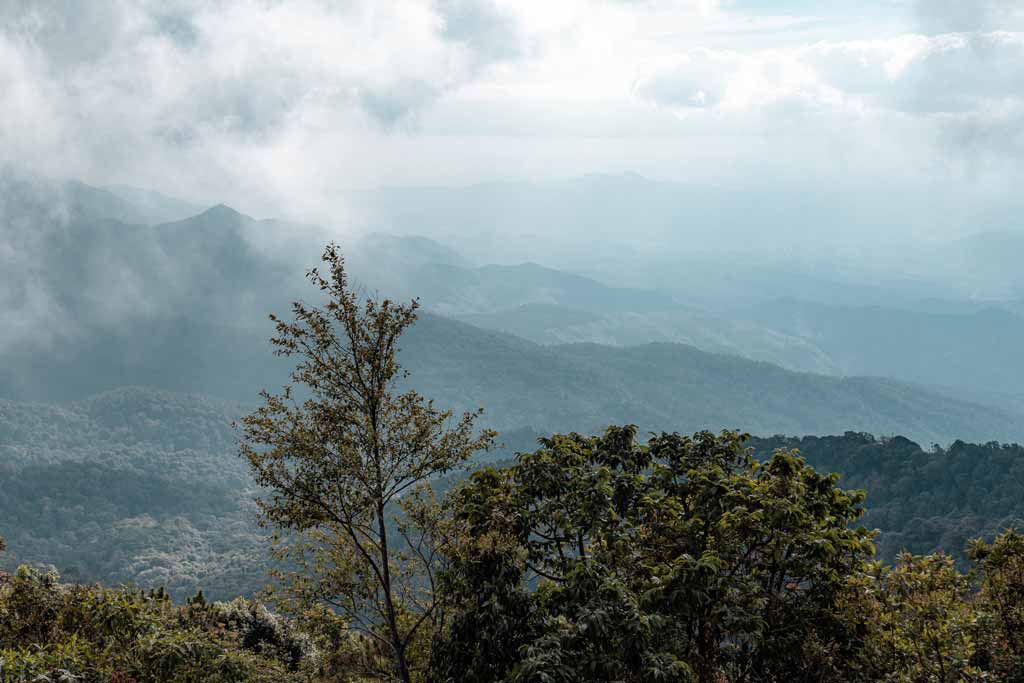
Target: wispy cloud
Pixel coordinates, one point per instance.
(279, 106)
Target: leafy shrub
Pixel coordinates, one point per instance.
(58, 632)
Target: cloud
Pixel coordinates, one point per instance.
(278, 107)
(944, 16)
(221, 59)
(925, 74)
(173, 87)
(698, 79)
(488, 32)
(911, 74)
(967, 87)
(732, 83)
(992, 135)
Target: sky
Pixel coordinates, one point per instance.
(280, 108)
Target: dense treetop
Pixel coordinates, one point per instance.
(922, 500)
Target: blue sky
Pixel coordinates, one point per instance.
(280, 107)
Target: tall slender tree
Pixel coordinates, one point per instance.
(336, 450)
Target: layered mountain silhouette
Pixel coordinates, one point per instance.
(135, 329)
(97, 303)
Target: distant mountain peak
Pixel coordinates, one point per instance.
(222, 211)
(219, 215)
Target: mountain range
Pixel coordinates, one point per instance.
(182, 306)
(136, 331)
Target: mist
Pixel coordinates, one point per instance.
(907, 129)
(680, 171)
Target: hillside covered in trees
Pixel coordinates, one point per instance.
(144, 486)
(677, 558)
(923, 500)
(133, 486)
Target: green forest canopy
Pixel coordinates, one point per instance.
(594, 558)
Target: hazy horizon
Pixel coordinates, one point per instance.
(802, 183)
(901, 117)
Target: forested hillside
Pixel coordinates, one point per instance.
(923, 500)
(145, 486)
(133, 485)
(666, 386)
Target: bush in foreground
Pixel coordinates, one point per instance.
(51, 631)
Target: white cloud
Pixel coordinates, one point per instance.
(699, 78)
(910, 73)
(943, 16)
(276, 106)
(198, 92)
(731, 82)
(959, 72)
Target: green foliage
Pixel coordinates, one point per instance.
(1001, 604)
(596, 558)
(916, 621)
(337, 461)
(922, 501)
(591, 558)
(76, 634)
(687, 560)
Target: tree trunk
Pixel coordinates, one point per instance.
(389, 605)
